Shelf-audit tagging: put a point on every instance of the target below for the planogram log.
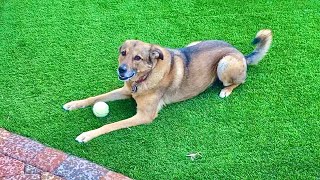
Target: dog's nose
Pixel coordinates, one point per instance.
(123, 68)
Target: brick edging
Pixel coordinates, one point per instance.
(23, 158)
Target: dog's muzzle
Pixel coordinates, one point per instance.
(124, 73)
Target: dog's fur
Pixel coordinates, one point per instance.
(155, 76)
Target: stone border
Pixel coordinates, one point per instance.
(23, 158)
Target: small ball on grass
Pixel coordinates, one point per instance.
(100, 109)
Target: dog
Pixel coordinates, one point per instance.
(155, 76)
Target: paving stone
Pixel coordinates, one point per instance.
(28, 169)
(23, 177)
(3, 135)
(114, 176)
(48, 159)
(49, 176)
(74, 168)
(10, 166)
(24, 159)
(20, 148)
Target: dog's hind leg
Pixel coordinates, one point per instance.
(232, 72)
(225, 92)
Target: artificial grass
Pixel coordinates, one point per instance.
(56, 51)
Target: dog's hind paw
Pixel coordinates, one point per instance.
(225, 93)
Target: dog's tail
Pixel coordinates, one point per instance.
(262, 41)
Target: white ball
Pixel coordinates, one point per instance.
(100, 109)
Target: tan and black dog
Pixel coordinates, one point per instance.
(155, 76)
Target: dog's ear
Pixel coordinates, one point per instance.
(156, 54)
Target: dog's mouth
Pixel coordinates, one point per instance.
(126, 76)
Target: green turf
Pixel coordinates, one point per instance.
(52, 52)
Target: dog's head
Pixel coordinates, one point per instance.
(136, 59)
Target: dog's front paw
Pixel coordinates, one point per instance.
(85, 137)
(74, 105)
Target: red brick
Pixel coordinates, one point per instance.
(10, 167)
(20, 148)
(48, 159)
(3, 135)
(114, 176)
(49, 176)
(23, 177)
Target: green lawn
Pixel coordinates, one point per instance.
(54, 51)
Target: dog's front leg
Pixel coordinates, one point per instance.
(121, 93)
(133, 121)
(147, 111)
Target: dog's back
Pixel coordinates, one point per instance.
(200, 66)
(202, 62)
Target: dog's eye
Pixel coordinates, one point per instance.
(123, 53)
(137, 58)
